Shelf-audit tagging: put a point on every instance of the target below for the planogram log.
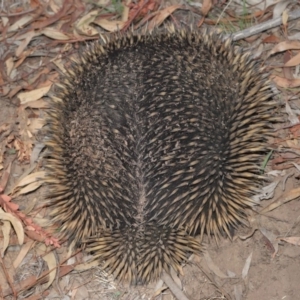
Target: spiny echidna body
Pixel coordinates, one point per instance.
(153, 139)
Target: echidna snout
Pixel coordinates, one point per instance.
(152, 140)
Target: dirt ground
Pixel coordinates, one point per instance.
(261, 262)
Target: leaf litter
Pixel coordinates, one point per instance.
(39, 38)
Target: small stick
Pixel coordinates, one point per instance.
(177, 292)
(263, 26)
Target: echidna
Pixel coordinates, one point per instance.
(152, 140)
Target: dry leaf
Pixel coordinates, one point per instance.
(31, 178)
(30, 206)
(287, 72)
(247, 266)
(54, 33)
(50, 259)
(271, 39)
(238, 292)
(40, 221)
(231, 274)
(28, 37)
(25, 174)
(5, 21)
(292, 116)
(176, 291)
(55, 8)
(86, 266)
(295, 240)
(284, 198)
(102, 3)
(285, 17)
(280, 8)
(292, 143)
(26, 19)
(23, 252)
(159, 288)
(51, 19)
(266, 192)
(206, 6)
(21, 59)
(110, 25)
(162, 15)
(36, 124)
(286, 83)
(33, 95)
(23, 146)
(272, 238)
(287, 45)
(6, 226)
(41, 103)
(9, 65)
(83, 24)
(59, 63)
(4, 127)
(38, 147)
(14, 90)
(294, 61)
(15, 223)
(5, 177)
(295, 36)
(254, 221)
(30, 187)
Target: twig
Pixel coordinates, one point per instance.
(209, 276)
(33, 280)
(177, 292)
(221, 14)
(263, 26)
(6, 14)
(125, 13)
